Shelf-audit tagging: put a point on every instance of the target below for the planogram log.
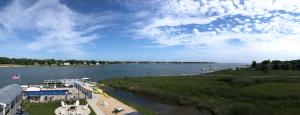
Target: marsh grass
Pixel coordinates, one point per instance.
(243, 93)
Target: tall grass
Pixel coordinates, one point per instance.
(242, 93)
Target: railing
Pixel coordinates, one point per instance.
(61, 80)
(87, 93)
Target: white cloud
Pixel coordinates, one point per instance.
(50, 25)
(266, 24)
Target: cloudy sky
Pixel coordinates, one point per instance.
(155, 30)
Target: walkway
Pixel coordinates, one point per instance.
(93, 104)
(97, 104)
(108, 104)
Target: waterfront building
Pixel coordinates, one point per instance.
(36, 64)
(10, 99)
(60, 89)
(66, 64)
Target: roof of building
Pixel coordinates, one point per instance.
(85, 78)
(9, 93)
(33, 89)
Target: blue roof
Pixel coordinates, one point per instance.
(9, 93)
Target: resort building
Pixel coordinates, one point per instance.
(10, 99)
(60, 89)
(66, 64)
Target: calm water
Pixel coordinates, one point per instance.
(38, 74)
(154, 104)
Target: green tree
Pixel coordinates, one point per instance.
(266, 65)
(254, 64)
(277, 65)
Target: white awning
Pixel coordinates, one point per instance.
(85, 78)
(33, 89)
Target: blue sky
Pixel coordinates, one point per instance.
(154, 30)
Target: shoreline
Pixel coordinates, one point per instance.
(16, 65)
(11, 66)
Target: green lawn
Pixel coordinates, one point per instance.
(41, 108)
(47, 108)
(241, 93)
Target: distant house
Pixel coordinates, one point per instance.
(97, 63)
(36, 64)
(10, 99)
(66, 64)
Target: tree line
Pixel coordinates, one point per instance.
(25, 61)
(267, 65)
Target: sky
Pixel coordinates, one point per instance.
(151, 30)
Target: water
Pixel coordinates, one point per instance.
(46, 92)
(35, 75)
(154, 104)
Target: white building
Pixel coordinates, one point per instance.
(36, 64)
(67, 64)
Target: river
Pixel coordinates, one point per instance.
(40, 73)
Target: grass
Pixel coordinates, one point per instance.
(257, 73)
(275, 90)
(38, 108)
(48, 108)
(242, 92)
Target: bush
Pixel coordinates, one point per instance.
(241, 82)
